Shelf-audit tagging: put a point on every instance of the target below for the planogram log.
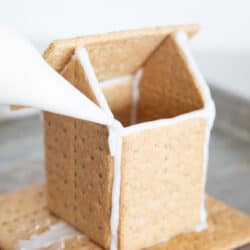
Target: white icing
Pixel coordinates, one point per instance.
(82, 55)
(135, 95)
(182, 41)
(45, 223)
(56, 234)
(115, 142)
(26, 79)
(195, 229)
(115, 209)
(135, 78)
(163, 122)
(116, 81)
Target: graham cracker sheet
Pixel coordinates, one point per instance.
(113, 54)
(117, 54)
(119, 98)
(24, 214)
(168, 87)
(164, 181)
(74, 150)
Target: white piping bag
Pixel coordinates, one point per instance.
(26, 79)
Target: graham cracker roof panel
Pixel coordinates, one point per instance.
(113, 54)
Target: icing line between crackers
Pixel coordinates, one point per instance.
(115, 143)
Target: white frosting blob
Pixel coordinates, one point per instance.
(56, 234)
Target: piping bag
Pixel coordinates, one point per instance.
(26, 79)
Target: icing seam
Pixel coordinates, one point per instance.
(135, 95)
(182, 42)
(116, 81)
(115, 143)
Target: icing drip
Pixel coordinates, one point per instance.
(56, 234)
(135, 95)
(116, 144)
(182, 41)
(43, 224)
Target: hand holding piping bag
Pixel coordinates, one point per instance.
(26, 79)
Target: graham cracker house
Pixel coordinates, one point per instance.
(135, 185)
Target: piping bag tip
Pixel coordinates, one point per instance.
(26, 79)
(116, 124)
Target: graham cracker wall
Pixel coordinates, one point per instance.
(167, 87)
(162, 179)
(74, 151)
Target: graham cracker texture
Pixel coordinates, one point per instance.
(168, 170)
(79, 167)
(160, 167)
(167, 87)
(228, 228)
(24, 214)
(113, 54)
(20, 212)
(120, 104)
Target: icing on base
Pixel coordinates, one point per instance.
(170, 238)
(56, 234)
